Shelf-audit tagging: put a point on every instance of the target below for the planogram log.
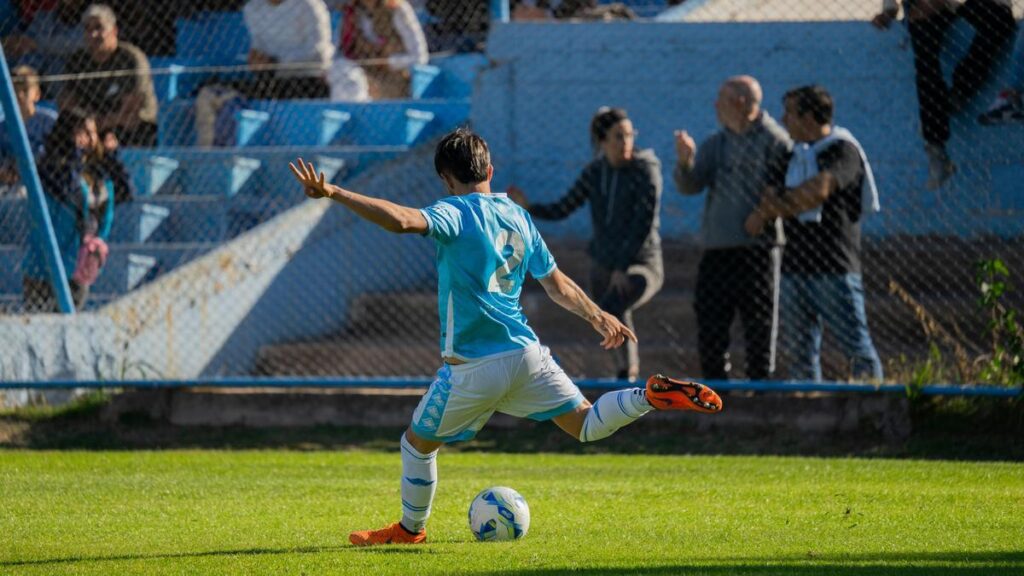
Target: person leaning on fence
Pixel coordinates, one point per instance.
(623, 187)
(493, 361)
(737, 271)
(290, 52)
(83, 180)
(829, 190)
(389, 35)
(38, 121)
(928, 22)
(121, 94)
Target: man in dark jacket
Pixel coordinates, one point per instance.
(737, 272)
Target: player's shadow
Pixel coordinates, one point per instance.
(898, 564)
(69, 560)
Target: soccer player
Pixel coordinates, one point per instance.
(486, 244)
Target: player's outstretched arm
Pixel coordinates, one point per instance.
(388, 215)
(570, 296)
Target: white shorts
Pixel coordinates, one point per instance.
(526, 383)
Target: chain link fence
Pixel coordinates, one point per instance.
(162, 134)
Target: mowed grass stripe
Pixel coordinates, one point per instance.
(285, 512)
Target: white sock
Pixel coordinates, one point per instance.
(612, 411)
(419, 479)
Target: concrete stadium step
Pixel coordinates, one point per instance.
(926, 265)
(346, 357)
(669, 317)
(341, 357)
(680, 260)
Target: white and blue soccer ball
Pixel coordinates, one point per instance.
(499, 513)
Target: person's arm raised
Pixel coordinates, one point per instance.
(388, 215)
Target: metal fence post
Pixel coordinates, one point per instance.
(42, 227)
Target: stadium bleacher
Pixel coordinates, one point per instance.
(190, 200)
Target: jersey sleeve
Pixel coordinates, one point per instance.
(843, 161)
(541, 263)
(444, 221)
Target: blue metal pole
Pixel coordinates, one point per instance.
(42, 228)
(500, 10)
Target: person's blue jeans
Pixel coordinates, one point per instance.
(837, 301)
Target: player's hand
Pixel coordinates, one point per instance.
(615, 332)
(686, 148)
(516, 194)
(313, 184)
(619, 282)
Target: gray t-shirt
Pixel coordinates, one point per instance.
(735, 169)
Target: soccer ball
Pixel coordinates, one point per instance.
(499, 513)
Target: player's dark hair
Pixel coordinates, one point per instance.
(464, 156)
(603, 121)
(812, 99)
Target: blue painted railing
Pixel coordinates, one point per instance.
(594, 383)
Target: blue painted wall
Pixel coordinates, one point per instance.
(535, 104)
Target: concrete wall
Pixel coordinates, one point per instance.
(535, 103)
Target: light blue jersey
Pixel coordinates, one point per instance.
(486, 244)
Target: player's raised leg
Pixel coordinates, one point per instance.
(615, 409)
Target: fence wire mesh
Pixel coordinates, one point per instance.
(165, 129)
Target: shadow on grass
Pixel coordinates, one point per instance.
(909, 564)
(901, 564)
(215, 553)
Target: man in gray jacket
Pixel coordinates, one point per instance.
(737, 272)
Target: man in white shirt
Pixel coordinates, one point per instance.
(290, 51)
(295, 34)
(385, 38)
(928, 21)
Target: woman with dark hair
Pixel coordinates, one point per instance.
(83, 180)
(623, 186)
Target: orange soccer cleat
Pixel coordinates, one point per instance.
(666, 393)
(392, 534)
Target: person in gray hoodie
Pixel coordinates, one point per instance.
(623, 186)
(737, 272)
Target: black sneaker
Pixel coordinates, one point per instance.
(1007, 108)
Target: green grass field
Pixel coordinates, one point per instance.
(288, 512)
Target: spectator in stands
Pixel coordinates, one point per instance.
(38, 121)
(151, 29)
(570, 9)
(459, 26)
(123, 103)
(290, 52)
(623, 187)
(291, 32)
(737, 271)
(928, 21)
(829, 190)
(1008, 107)
(51, 36)
(82, 180)
(388, 34)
